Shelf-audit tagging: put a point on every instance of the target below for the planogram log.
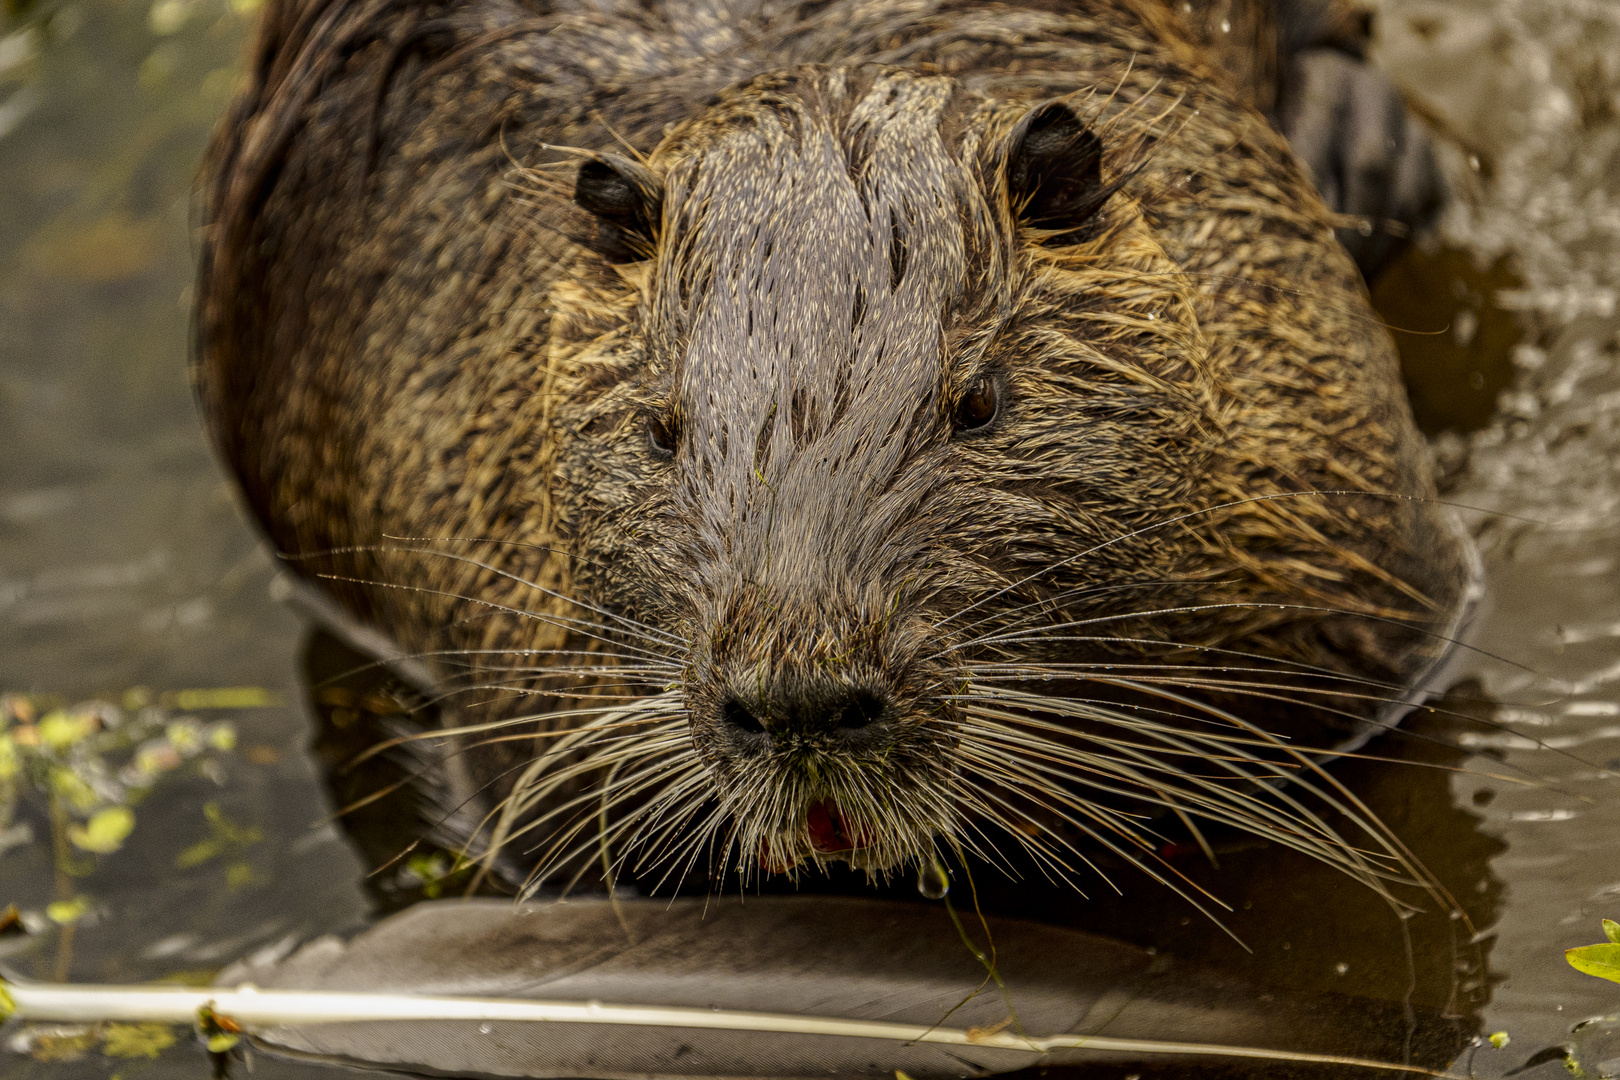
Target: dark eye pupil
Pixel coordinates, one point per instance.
(660, 436)
(978, 408)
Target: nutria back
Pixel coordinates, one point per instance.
(851, 422)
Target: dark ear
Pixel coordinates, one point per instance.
(1054, 171)
(627, 201)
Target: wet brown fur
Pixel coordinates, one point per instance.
(403, 332)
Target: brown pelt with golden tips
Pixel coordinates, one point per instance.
(856, 423)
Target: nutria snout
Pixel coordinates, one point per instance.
(860, 722)
(890, 424)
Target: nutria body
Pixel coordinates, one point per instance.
(907, 414)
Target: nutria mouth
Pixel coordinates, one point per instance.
(898, 426)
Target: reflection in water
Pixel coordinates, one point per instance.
(1456, 344)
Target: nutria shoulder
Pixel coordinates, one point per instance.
(905, 411)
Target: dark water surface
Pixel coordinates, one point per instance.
(124, 561)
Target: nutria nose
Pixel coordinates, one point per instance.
(849, 716)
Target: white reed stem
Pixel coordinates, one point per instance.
(257, 1009)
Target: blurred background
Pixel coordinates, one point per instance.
(128, 575)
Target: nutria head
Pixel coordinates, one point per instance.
(864, 385)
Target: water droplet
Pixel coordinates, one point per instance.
(932, 880)
(484, 1029)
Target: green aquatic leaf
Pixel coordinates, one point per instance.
(60, 730)
(69, 785)
(105, 832)
(65, 912)
(219, 1044)
(227, 830)
(226, 697)
(1611, 929)
(239, 875)
(198, 853)
(136, 1040)
(1602, 961)
(228, 837)
(185, 736)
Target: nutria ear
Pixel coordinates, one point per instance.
(627, 202)
(1054, 171)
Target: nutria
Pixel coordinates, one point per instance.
(823, 429)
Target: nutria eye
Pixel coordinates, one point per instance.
(978, 407)
(661, 437)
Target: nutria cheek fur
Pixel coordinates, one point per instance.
(921, 352)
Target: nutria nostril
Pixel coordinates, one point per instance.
(862, 709)
(739, 718)
(848, 716)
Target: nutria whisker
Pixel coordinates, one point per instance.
(492, 541)
(1334, 796)
(472, 658)
(985, 670)
(611, 756)
(1136, 768)
(452, 656)
(1259, 690)
(534, 674)
(541, 776)
(491, 852)
(1330, 790)
(555, 856)
(1033, 834)
(1279, 665)
(1266, 691)
(467, 661)
(1010, 672)
(1043, 634)
(531, 687)
(1158, 751)
(636, 627)
(526, 795)
(561, 621)
(494, 725)
(999, 772)
(1325, 753)
(1178, 519)
(700, 834)
(680, 796)
(594, 631)
(1135, 778)
(671, 812)
(1011, 617)
(667, 816)
(1301, 830)
(533, 684)
(1329, 753)
(590, 808)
